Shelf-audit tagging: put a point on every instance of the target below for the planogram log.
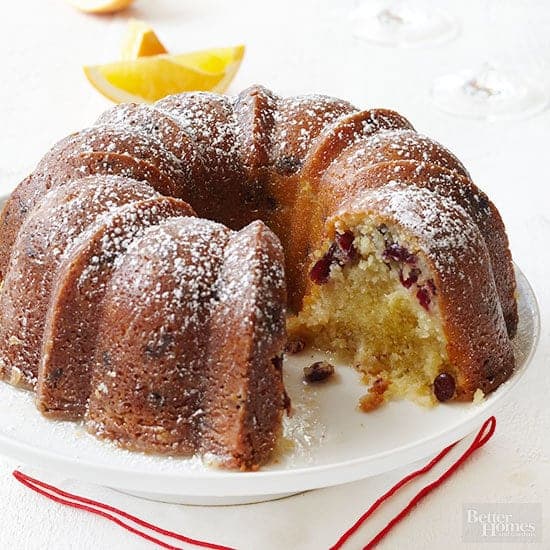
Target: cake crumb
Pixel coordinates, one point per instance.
(374, 399)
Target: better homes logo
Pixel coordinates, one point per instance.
(502, 522)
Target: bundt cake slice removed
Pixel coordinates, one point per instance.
(188, 343)
(396, 292)
(50, 232)
(71, 325)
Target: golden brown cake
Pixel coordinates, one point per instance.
(162, 324)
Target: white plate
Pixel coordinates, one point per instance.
(332, 442)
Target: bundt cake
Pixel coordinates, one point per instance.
(142, 293)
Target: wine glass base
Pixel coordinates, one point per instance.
(489, 94)
(399, 24)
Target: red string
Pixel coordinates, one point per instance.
(485, 433)
(88, 505)
(110, 512)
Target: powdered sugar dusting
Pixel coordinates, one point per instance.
(389, 145)
(164, 130)
(57, 226)
(259, 286)
(119, 139)
(185, 253)
(297, 122)
(210, 121)
(447, 231)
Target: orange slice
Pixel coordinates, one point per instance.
(151, 78)
(100, 6)
(140, 41)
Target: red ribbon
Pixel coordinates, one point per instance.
(485, 433)
(121, 518)
(111, 513)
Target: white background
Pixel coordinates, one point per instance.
(299, 47)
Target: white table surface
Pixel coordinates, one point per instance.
(297, 47)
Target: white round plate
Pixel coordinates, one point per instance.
(329, 441)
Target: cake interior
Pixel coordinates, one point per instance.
(375, 306)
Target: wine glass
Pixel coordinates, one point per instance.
(402, 23)
(508, 82)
